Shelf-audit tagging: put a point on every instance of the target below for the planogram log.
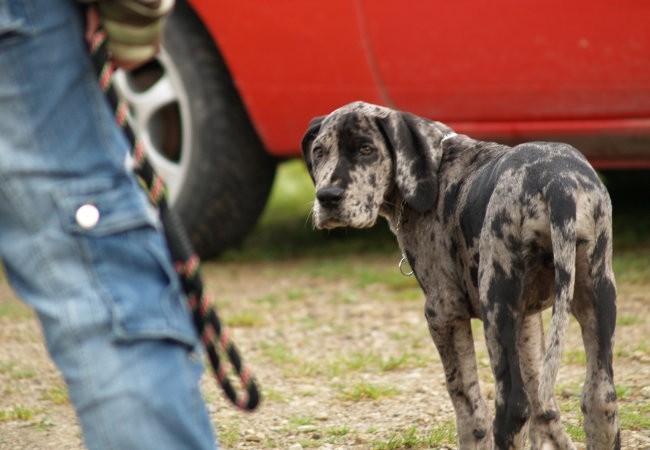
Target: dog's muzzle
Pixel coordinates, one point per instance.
(330, 197)
(328, 208)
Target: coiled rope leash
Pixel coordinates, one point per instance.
(206, 320)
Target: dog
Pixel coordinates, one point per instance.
(492, 232)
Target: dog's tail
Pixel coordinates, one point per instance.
(561, 201)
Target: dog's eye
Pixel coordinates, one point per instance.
(317, 152)
(366, 150)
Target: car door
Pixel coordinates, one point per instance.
(513, 61)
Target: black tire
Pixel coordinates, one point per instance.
(199, 136)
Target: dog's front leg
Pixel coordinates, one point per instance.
(453, 339)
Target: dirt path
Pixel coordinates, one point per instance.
(344, 359)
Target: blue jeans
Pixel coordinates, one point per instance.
(82, 246)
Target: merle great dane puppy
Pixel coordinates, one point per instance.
(490, 231)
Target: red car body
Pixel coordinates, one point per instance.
(505, 70)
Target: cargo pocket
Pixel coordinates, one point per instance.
(14, 21)
(126, 255)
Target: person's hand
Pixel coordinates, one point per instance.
(134, 28)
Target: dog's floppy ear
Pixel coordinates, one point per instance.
(416, 154)
(307, 139)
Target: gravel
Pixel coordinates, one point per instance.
(343, 363)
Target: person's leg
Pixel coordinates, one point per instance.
(82, 246)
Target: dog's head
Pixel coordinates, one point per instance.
(360, 153)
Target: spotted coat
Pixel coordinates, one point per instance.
(492, 232)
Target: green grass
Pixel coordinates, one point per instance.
(244, 319)
(359, 361)
(632, 266)
(14, 310)
(285, 231)
(57, 395)
(273, 395)
(364, 390)
(576, 432)
(444, 433)
(340, 431)
(634, 417)
(355, 361)
(17, 414)
(229, 434)
(297, 295)
(623, 392)
(622, 321)
(575, 356)
(17, 373)
(299, 421)
(271, 299)
(278, 353)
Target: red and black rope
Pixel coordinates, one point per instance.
(214, 337)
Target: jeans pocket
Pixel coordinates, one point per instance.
(125, 253)
(15, 20)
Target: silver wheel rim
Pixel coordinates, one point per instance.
(160, 112)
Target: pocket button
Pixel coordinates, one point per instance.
(87, 216)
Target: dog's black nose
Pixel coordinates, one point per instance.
(330, 196)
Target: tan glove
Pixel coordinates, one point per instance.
(134, 28)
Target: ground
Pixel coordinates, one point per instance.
(341, 350)
(337, 339)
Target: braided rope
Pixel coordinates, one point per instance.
(214, 337)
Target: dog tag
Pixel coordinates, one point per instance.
(404, 267)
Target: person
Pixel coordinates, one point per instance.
(78, 239)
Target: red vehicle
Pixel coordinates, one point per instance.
(237, 83)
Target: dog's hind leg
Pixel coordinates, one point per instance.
(545, 432)
(502, 289)
(453, 339)
(595, 309)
